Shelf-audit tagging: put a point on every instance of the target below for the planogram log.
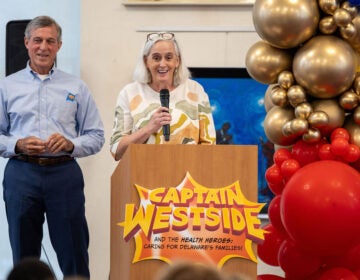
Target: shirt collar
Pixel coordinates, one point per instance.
(35, 74)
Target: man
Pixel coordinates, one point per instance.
(47, 118)
(29, 269)
(222, 134)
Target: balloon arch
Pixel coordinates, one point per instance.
(310, 57)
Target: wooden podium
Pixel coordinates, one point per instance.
(154, 166)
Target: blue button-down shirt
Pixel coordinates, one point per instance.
(61, 103)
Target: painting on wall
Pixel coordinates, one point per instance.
(237, 102)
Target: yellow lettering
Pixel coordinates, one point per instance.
(136, 221)
(212, 197)
(156, 195)
(199, 195)
(212, 221)
(186, 195)
(223, 200)
(162, 219)
(181, 220)
(238, 221)
(196, 213)
(226, 219)
(234, 197)
(253, 224)
(172, 195)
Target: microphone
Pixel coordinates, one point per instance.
(164, 100)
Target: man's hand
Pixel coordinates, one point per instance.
(30, 146)
(58, 143)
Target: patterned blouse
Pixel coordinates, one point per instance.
(192, 120)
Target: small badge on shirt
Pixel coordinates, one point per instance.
(70, 97)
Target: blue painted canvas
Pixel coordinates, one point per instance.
(238, 107)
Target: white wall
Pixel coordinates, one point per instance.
(67, 13)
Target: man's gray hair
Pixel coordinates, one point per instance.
(42, 21)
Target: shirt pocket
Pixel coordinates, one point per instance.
(64, 112)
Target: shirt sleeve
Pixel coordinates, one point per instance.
(7, 143)
(90, 127)
(206, 121)
(123, 121)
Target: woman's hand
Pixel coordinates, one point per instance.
(160, 117)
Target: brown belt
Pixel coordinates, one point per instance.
(44, 161)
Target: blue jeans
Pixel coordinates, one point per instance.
(30, 192)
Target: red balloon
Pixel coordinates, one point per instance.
(349, 260)
(339, 132)
(353, 153)
(276, 188)
(319, 205)
(305, 153)
(357, 273)
(338, 273)
(274, 179)
(356, 165)
(281, 155)
(325, 152)
(296, 263)
(273, 175)
(274, 214)
(268, 250)
(340, 146)
(269, 277)
(289, 167)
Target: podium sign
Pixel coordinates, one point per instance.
(184, 202)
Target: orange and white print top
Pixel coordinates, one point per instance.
(192, 120)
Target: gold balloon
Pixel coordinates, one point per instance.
(348, 32)
(267, 100)
(356, 85)
(286, 129)
(349, 100)
(264, 62)
(325, 66)
(333, 110)
(285, 23)
(356, 115)
(354, 131)
(286, 79)
(277, 147)
(273, 123)
(342, 17)
(303, 110)
(299, 126)
(329, 6)
(296, 95)
(355, 40)
(327, 25)
(351, 9)
(318, 119)
(313, 135)
(279, 97)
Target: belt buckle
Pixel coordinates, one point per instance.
(42, 161)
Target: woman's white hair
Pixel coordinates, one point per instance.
(143, 75)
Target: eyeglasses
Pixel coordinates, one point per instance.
(160, 35)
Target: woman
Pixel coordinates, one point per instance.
(139, 116)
